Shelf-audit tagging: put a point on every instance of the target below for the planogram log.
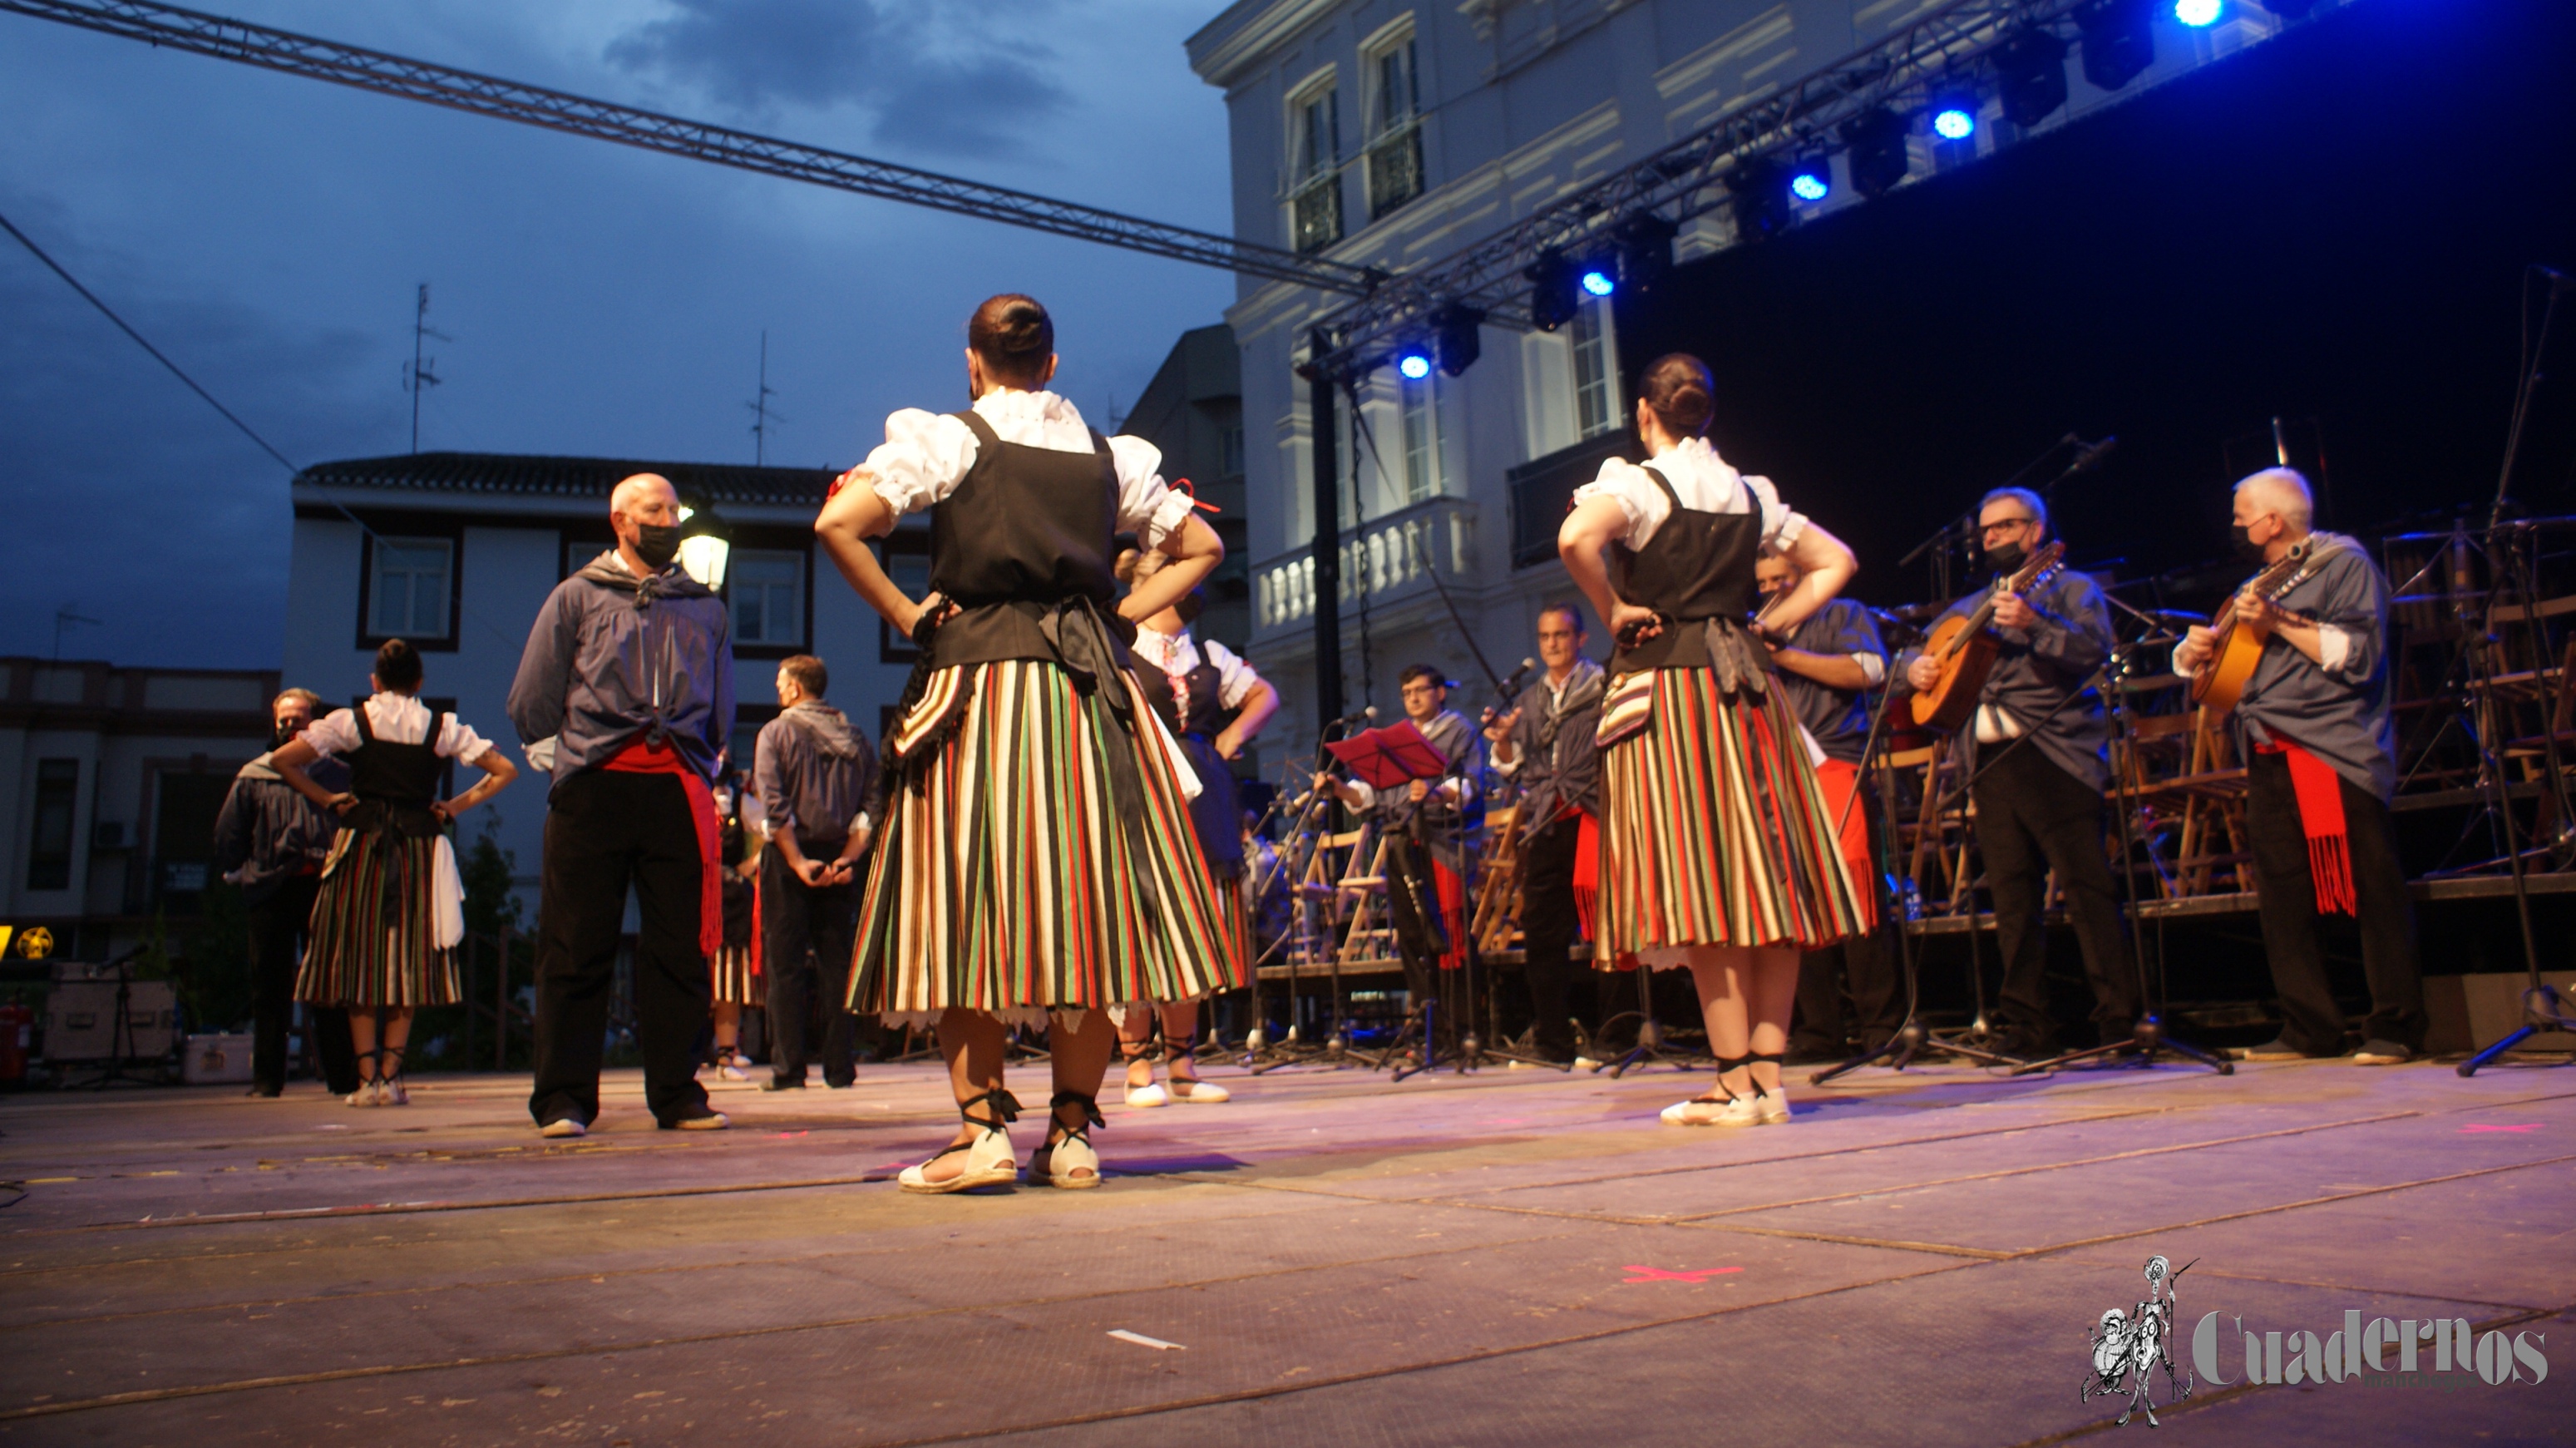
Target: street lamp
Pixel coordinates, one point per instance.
(705, 546)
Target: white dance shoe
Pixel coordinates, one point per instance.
(1701, 1111)
(1070, 1161)
(989, 1162)
(1149, 1094)
(1196, 1092)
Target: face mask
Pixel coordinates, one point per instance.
(2005, 557)
(657, 544)
(283, 735)
(2241, 537)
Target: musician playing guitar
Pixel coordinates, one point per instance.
(2039, 806)
(2314, 727)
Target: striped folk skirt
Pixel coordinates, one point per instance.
(1007, 878)
(364, 951)
(1714, 831)
(735, 984)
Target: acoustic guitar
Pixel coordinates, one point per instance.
(2234, 651)
(1965, 647)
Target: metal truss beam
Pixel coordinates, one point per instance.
(1941, 47)
(373, 70)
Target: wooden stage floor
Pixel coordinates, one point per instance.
(1509, 1257)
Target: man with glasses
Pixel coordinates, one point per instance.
(2315, 731)
(1424, 821)
(2039, 752)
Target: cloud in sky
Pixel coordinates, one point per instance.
(927, 81)
(268, 232)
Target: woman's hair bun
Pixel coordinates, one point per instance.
(1014, 336)
(397, 666)
(1681, 393)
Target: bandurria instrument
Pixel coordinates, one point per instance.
(2236, 648)
(1965, 647)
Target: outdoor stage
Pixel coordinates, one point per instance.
(1507, 1257)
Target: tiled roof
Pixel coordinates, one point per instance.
(522, 475)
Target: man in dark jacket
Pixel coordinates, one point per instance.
(816, 775)
(625, 694)
(2039, 750)
(1544, 746)
(271, 842)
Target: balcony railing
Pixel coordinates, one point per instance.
(1387, 557)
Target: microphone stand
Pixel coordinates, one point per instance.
(1291, 1048)
(2147, 1037)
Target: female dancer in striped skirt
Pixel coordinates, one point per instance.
(1036, 858)
(1192, 685)
(1716, 848)
(391, 908)
(735, 967)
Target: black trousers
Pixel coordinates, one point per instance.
(2033, 817)
(1548, 927)
(1408, 875)
(278, 925)
(2287, 893)
(793, 917)
(604, 832)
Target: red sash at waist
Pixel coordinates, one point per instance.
(640, 756)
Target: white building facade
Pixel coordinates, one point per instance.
(1391, 134)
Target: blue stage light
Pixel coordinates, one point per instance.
(1415, 365)
(2196, 13)
(1812, 180)
(1598, 282)
(1954, 121)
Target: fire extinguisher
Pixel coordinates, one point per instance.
(17, 1038)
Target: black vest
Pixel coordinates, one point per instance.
(1026, 537)
(1698, 568)
(1201, 714)
(394, 783)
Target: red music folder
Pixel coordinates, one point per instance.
(1386, 757)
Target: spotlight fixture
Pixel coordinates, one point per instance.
(2030, 73)
(1455, 338)
(1812, 180)
(1555, 291)
(2119, 40)
(1761, 198)
(1645, 250)
(1599, 281)
(1874, 149)
(1954, 117)
(2196, 13)
(1414, 361)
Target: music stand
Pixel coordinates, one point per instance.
(1396, 756)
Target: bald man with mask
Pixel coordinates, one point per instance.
(2315, 729)
(625, 695)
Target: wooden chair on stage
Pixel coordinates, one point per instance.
(2187, 785)
(1496, 923)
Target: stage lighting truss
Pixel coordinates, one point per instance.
(1868, 104)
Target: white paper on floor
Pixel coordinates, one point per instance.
(1141, 1340)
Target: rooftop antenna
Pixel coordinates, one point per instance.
(64, 617)
(419, 372)
(763, 417)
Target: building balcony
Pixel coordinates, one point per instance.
(1388, 558)
(1543, 488)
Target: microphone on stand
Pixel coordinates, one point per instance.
(2087, 455)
